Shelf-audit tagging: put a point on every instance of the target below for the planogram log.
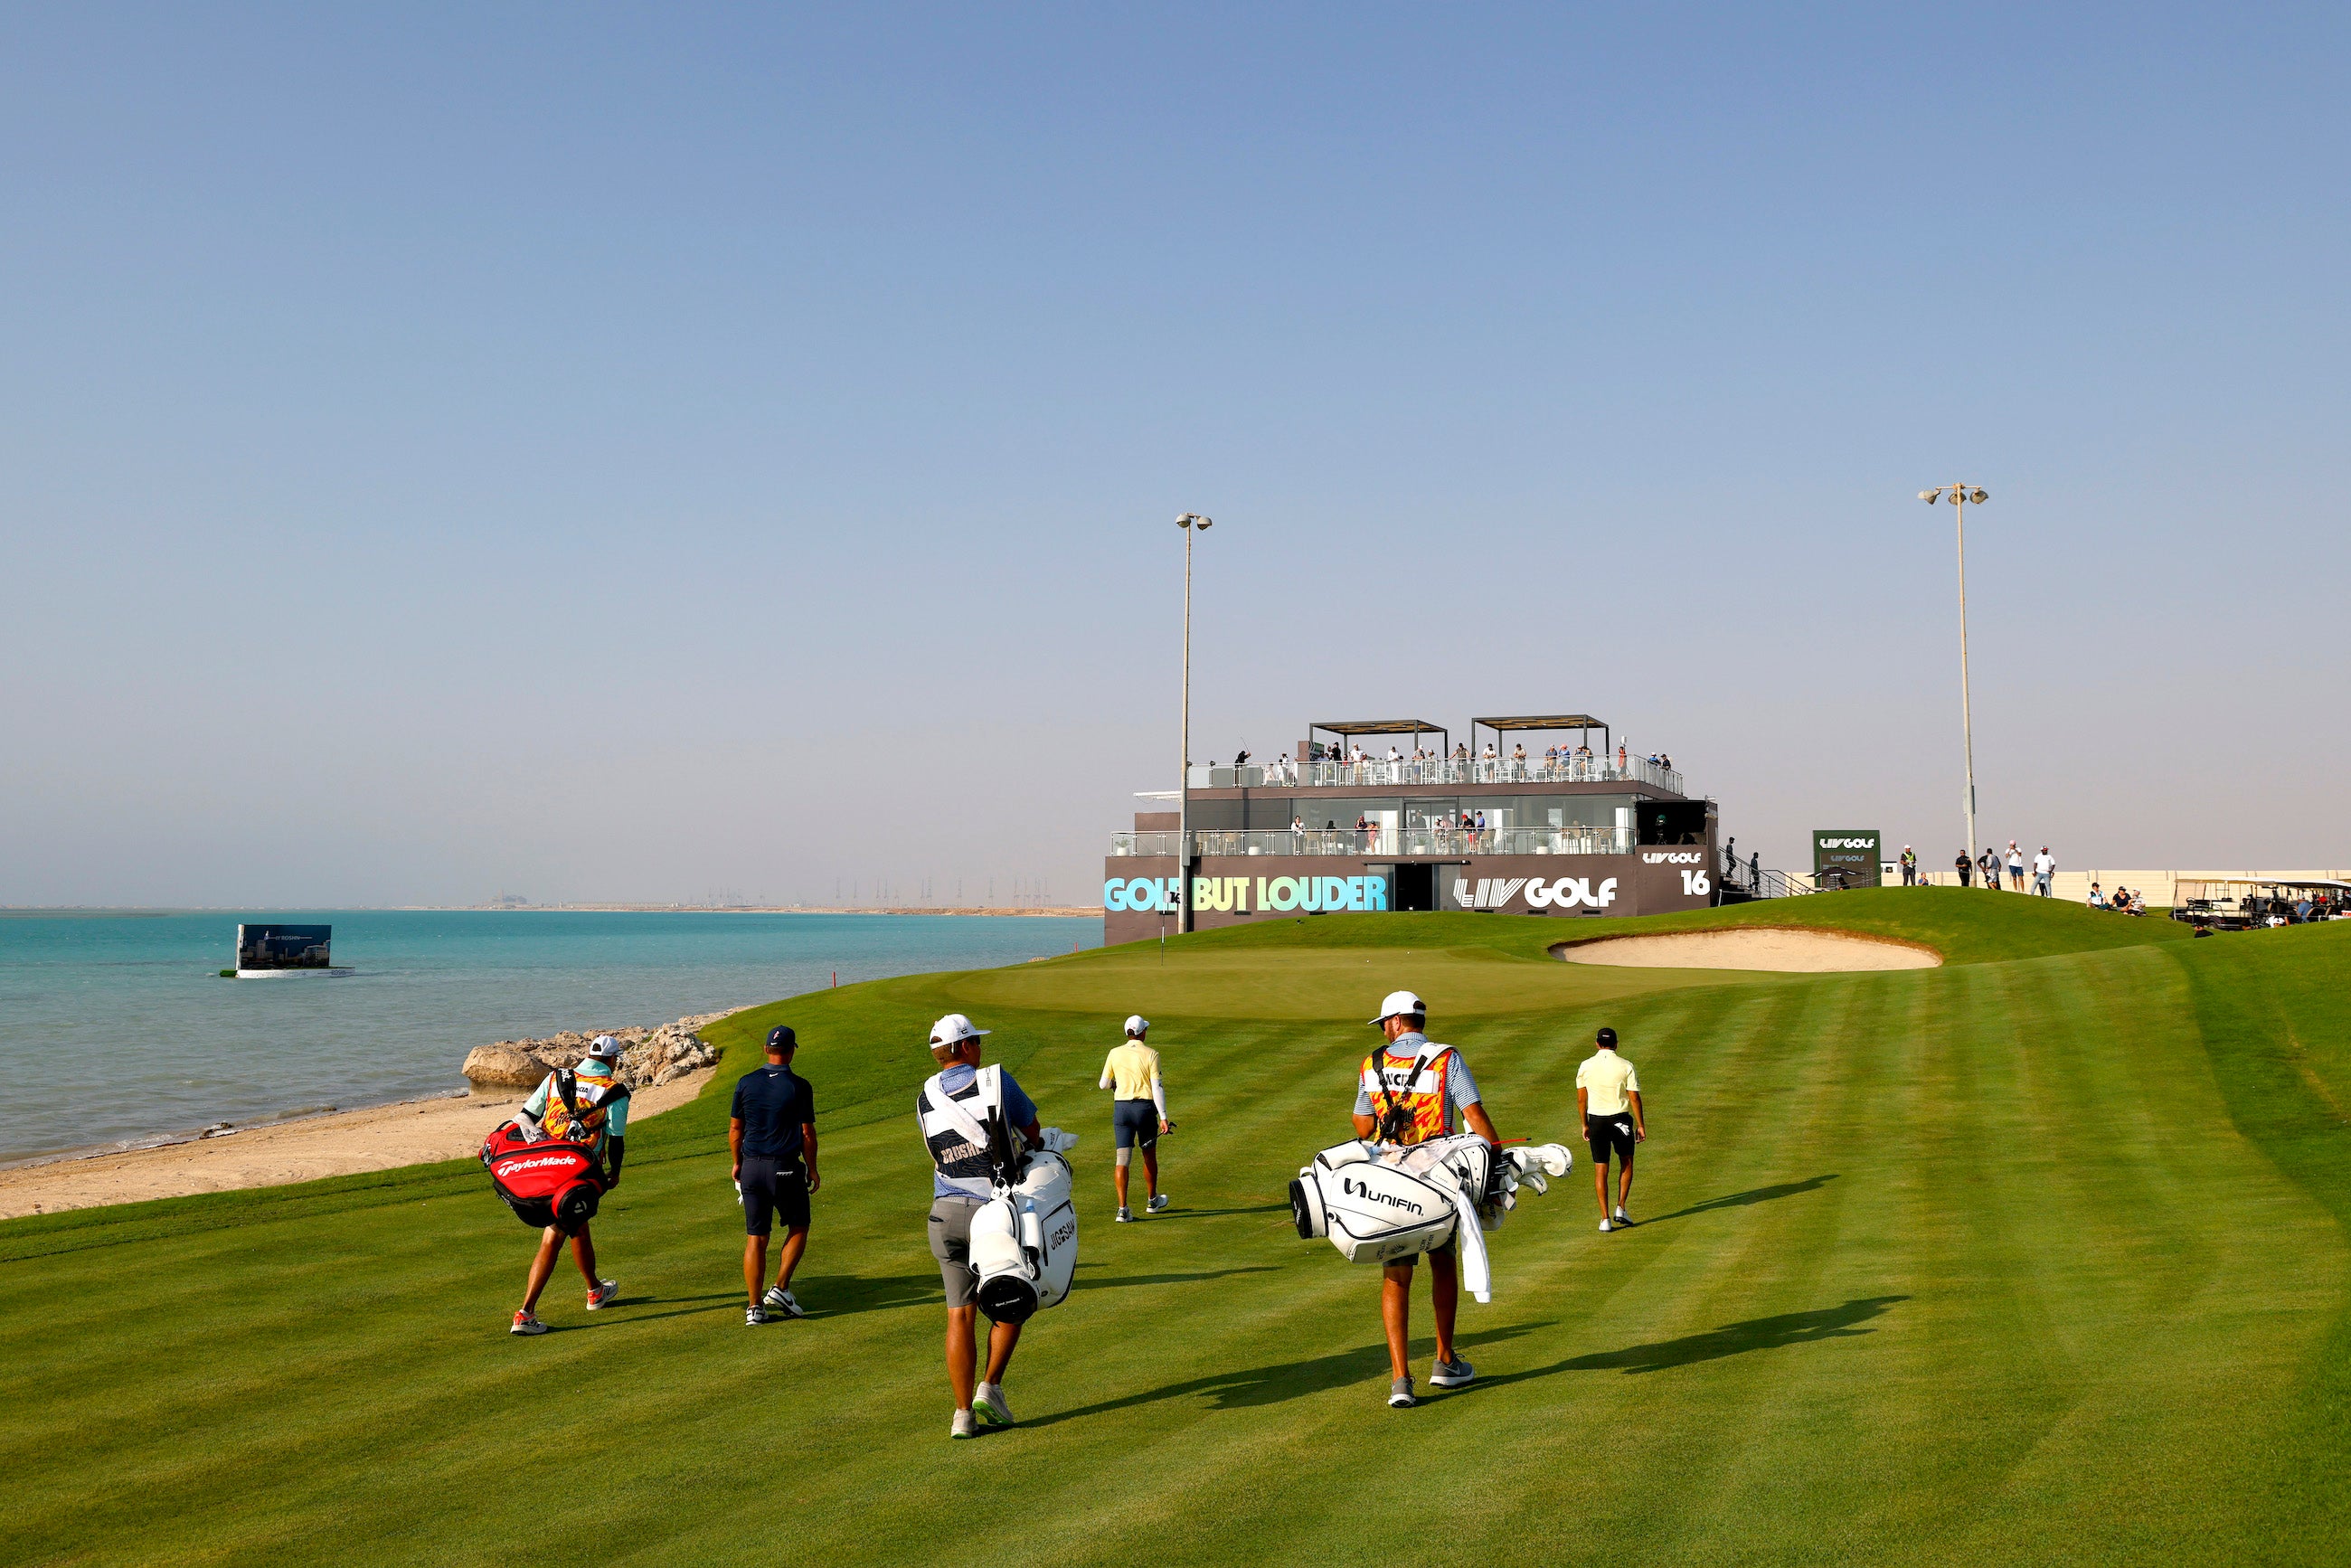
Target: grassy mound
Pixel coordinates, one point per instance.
(2040, 1255)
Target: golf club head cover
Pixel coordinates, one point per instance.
(1058, 1141)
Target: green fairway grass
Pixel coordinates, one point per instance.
(2038, 1257)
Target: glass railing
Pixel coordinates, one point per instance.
(1286, 774)
(1222, 843)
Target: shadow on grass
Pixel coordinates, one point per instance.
(1742, 1199)
(1262, 1385)
(1171, 1213)
(844, 1295)
(1714, 1345)
(1092, 1284)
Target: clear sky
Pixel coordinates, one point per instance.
(652, 452)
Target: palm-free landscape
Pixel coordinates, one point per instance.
(2037, 1256)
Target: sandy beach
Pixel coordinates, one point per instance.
(414, 1132)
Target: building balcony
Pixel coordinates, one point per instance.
(1284, 773)
(1428, 842)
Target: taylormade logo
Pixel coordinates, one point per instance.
(1355, 1188)
(543, 1160)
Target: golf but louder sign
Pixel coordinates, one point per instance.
(1845, 856)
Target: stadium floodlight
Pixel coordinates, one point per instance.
(1192, 523)
(1960, 496)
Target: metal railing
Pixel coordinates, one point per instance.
(1220, 843)
(1380, 774)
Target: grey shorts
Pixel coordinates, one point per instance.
(951, 1245)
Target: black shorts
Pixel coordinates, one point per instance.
(773, 1187)
(1609, 1135)
(1135, 1122)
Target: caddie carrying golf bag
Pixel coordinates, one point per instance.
(546, 1181)
(1377, 1202)
(1024, 1241)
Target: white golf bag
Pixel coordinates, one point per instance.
(1379, 1202)
(1024, 1241)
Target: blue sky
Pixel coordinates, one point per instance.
(593, 452)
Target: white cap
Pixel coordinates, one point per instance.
(1401, 1002)
(955, 1029)
(604, 1048)
(1135, 1024)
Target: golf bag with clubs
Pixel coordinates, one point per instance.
(1379, 1202)
(1024, 1241)
(546, 1181)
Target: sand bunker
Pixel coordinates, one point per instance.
(1752, 947)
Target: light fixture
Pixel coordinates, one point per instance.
(1930, 497)
(1979, 497)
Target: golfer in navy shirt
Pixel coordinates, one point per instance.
(773, 1136)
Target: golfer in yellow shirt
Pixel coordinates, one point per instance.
(1138, 1116)
(1608, 1094)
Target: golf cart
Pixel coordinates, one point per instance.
(2244, 904)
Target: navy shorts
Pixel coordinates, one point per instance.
(773, 1188)
(1135, 1122)
(1609, 1135)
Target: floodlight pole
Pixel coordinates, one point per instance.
(1960, 496)
(1191, 523)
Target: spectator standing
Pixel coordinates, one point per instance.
(1990, 863)
(1964, 866)
(1909, 866)
(2044, 870)
(2015, 867)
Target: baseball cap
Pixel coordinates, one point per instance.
(604, 1048)
(781, 1038)
(1137, 1023)
(955, 1029)
(1607, 1037)
(1403, 1002)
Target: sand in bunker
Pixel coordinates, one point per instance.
(379, 1138)
(1755, 947)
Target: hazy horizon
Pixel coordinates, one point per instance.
(634, 457)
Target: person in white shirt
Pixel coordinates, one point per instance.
(1608, 1096)
(2015, 867)
(2044, 870)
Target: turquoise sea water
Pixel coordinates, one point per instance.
(116, 1029)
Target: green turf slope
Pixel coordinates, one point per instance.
(2039, 1257)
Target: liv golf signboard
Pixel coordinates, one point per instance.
(1847, 856)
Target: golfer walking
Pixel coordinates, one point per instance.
(1408, 1092)
(1608, 1096)
(587, 1105)
(1138, 1115)
(772, 1135)
(953, 1111)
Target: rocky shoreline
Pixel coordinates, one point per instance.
(649, 1056)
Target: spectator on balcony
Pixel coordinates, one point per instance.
(1518, 759)
(1551, 757)
(1393, 755)
(1241, 760)
(1620, 757)
(1461, 752)
(1363, 831)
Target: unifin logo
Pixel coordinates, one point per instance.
(1677, 857)
(1355, 1188)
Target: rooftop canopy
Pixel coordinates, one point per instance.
(1582, 721)
(1415, 728)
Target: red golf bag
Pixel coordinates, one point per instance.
(551, 1182)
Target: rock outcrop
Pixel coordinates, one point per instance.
(648, 1056)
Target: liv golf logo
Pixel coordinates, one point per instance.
(1565, 892)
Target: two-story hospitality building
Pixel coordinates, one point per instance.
(1358, 822)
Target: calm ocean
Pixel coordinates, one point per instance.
(116, 1029)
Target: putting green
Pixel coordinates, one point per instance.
(2037, 1257)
